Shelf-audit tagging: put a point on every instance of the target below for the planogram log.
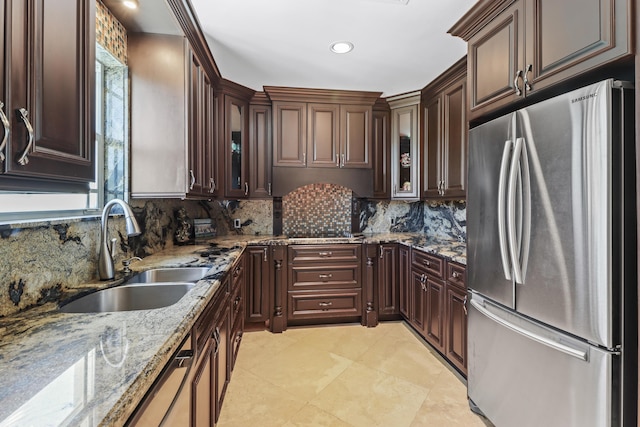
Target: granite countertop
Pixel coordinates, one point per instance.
(93, 369)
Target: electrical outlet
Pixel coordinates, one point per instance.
(393, 221)
(236, 223)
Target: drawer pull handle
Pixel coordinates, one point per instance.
(24, 159)
(455, 275)
(325, 253)
(427, 263)
(325, 276)
(325, 304)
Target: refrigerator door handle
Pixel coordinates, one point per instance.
(502, 227)
(511, 210)
(573, 352)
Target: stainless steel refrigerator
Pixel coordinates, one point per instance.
(551, 261)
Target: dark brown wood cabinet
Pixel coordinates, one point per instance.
(433, 300)
(444, 143)
(456, 317)
(260, 147)
(238, 280)
(48, 92)
(236, 147)
(381, 151)
(388, 276)
(202, 149)
(324, 283)
(404, 281)
(257, 283)
(322, 128)
(323, 135)
(290, 134)
(355, 136)
(519, 47)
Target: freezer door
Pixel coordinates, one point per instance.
(565, 225)
(489, 269)
(524, 374)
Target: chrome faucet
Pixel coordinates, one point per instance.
(105, 261)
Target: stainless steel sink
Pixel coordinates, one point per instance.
(129, 297)
(179, 274)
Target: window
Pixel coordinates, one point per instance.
(111, 155)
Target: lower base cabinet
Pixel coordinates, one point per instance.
(433, 300)
(191, 389)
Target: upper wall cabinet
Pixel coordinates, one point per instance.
(47, 94)
(169, 85)
(519, 47)
(381, 150)
(260, 146)
(234, 141)
(322, 128)
(444, 144)
(405, 140)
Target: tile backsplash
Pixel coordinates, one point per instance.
(317, 209)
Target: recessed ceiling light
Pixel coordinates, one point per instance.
(131, 4)
(341, 47)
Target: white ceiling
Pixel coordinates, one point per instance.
(398, 48)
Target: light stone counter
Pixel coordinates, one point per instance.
(94, 369)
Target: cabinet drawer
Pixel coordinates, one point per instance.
(433, 265)
(324, 253)
(456, 274)
(327, 304)
(320, 276)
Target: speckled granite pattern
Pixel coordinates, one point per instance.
(445, 220)
(115, 357)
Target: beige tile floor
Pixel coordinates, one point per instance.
(344, 375)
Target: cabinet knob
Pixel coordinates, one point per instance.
(246, 188)
(212, 186)
(23, 159)
(5, 125)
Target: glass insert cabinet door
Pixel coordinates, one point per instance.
(237, 148)
(404, 152)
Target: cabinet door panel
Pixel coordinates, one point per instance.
(355, 123)
(52, 69)
(456, 342)
(260, 151)
(290, 134)
(455, 141)
(404, 277)
(380, 152)
(418, 309)
(323, 135)
(236, 146)
(495, 55)
(565, 38)
(257, 284)
(202, 414)
(431, 168)
(434, 325)
(388, 298)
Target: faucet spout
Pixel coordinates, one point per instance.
(105, 260)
